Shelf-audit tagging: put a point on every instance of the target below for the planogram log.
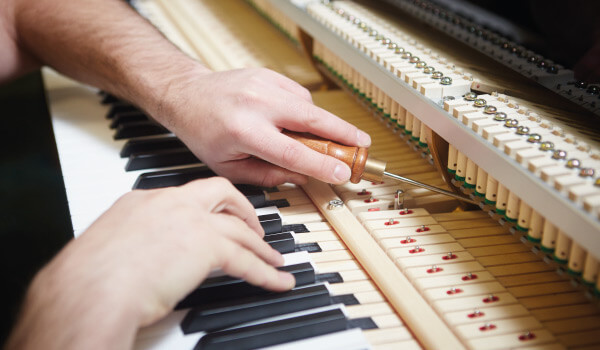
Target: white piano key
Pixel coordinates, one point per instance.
(352, 339)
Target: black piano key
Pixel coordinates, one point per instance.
(346, 299)
(331, 277)
(282, 242)
(255, 194)
(174, 177)
(150, 145)
(363, 323)
(279, 203)
(271, 223)
(308, 247)
(108, 99)
(161, 159)
(226, 287)
(276, 332)
(297, 228)
(227, 314)
(139, 129)
(120, 107)
(127, 117)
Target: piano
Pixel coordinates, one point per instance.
(400, 267)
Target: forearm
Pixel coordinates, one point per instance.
(67, 307)
(103, 43)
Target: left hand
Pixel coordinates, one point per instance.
(233, 120)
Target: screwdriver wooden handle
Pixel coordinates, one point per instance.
(355, 157)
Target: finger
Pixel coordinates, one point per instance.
(259, 172)
(241, 263)
(235, 230)
(291, 86)
(288, 153)
(217, 195)
(298, 115)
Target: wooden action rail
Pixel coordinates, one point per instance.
(407, 301)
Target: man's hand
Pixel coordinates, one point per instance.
(139, 259)
(233, 120)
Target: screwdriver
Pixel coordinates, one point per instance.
(361, 164)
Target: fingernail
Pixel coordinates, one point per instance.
(341, 173)
(288, 279)
(364, 140)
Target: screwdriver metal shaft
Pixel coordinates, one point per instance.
(428, 187)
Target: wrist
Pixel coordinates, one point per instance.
(163, 93)
(97, 315)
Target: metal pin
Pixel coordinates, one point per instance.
(399, 200)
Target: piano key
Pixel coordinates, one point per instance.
(497, 327)
(149, 145)
(226, 287)
(139, 128)
(530, 338)
(127, 117)
(211, 316)
(161, 159)
(283, 242)
(174, 177)
(457, 281)
(271, 223)
(352, 339)
(110, 99)
(308, 247)
(478, 301)
(275, 332)
(485, 314)
(119, 107)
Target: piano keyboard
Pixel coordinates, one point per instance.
(81, 129)
(449, 278)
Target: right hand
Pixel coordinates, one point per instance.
(158, 245)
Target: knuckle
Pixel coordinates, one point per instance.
(291, 154)
(272, 178)
(219, 184)
(248, 95)
(311, 115)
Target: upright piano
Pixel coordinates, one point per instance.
(449, 102)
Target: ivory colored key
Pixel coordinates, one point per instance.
(397, 221)
(369, 310)
(435, 259)
(424, 272)
(388, 335)
(513, 340)
(403, 232)
(486, 314)
(418, 250)
(456, 281)
(496, 327)
(478, 301)
(411, 241)
(485, 288)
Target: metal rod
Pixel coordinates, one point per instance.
(428, 187)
